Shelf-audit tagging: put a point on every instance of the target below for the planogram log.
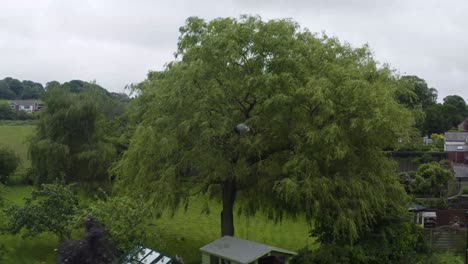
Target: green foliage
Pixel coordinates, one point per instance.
(50, 209)
(9, 161)
(396, 241)
(11, 88)
(437, 120)
(464, 190)
(321, 113)
(455, 107)
(126, 219)
(416, 93)
(69, 140)
(438, 142)
(431, 179)
(442, 258)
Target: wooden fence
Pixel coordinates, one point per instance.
(447, 238)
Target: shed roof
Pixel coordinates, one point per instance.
(240, 250)
(416, 208)
(429, 214)
(456, 136)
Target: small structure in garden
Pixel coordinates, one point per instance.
(429, 219)
(232, 250)
(143, 255)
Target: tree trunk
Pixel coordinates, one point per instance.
(227, 215)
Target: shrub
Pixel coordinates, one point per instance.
(125, 219)
(50, 209)
(8, 163)
(441, 258)
(23, 175)
(464, 190)
(391, 242)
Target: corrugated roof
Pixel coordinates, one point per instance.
(456, 136)
(240, 250)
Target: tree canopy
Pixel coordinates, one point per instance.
(11, 88)
(320, 113)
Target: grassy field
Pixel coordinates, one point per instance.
(15, 137)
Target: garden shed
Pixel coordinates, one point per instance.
(232, 250)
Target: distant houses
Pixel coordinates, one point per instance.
(28, 106)
(456, 145)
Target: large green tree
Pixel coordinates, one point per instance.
(318, 112)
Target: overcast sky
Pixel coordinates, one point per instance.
(116, 42)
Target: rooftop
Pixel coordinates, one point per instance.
(240, 250)
(456, 137)
(461, 171)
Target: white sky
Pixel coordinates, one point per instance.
(116, 42)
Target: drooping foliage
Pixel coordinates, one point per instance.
(9, 161)
(320, 113)
(71, 138)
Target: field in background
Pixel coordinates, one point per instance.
(15, 135)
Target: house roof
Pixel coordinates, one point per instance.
(456, 136)
(24, 102)
(461, 171)
(240, 250)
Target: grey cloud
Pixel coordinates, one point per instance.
(118, 42)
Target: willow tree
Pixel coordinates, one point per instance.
(319, 112)
(69, 142)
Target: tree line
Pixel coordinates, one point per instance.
(431, 117)
(11, 88)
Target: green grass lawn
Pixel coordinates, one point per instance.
(15, 137)
(182, 235)
(189, 230)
